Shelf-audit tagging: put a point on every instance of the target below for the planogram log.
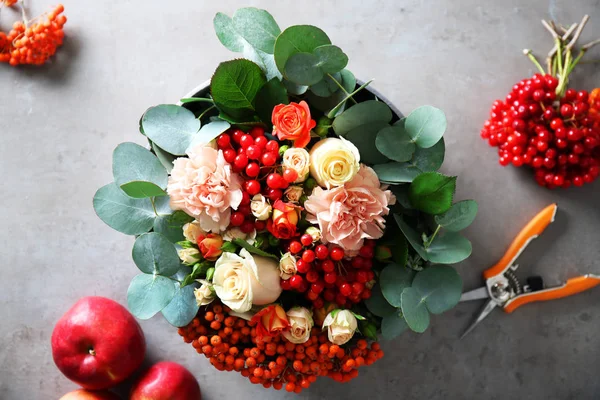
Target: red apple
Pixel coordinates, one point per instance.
(97, 343)
(83, 394)
(166, 380)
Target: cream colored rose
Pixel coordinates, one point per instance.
(205, 293)
(333, 162)
(301, 322)
(293, 193)
(260, 207)
(297, 159)
(236, 233)
(287, 266)
(341, 327)
(189, 256)
(243, 280)
(314, 232)
(192, 231)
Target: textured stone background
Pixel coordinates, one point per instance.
(60, 123)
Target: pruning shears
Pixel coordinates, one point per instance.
(502, 287)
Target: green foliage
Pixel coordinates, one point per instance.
(148, 294)
(426, 125)
(393, 325)
(297, 39)
(400, 250)
(310, 68)
(394, 143)
(422, 160)
(395, 172)
(171, 127)
(432, 192)
(254, 250)
(271, 94)
(165, 158)
(183, 308)
(328, 86)
(234, 86)
(430, 159)
(171, 226)
(142, 189)
(138, 172)
(199, 270)
(439, 287)
(459, 216)
(335, 111)
(154, 254)
(258, 27)
(393, 280)
(377, 304)
(449, 248)
(414, 310)
(363, 137)
(413, 237)
(209, 132)
(364, 113)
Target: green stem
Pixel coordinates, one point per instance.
(340, 86)
(205, 111)
(197, 100)
(426, 245)
(534, 60)
(559, 55)
(153, 205)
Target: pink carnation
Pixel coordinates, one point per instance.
(204, 186)
(351, 213)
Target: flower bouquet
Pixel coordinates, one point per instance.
(285, 215)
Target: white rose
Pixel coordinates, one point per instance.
(287, 266)
(204, 294)
(189, 256)
(333, 162)
(293, 193)
(314, 232)
(341, 327)
(297, 159)
(243, 280)
(192, 231)
(236, 233)
(301, 322)
(260, 207)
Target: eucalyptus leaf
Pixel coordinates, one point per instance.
(123, 213)
(393, 280)
(335, 111)
(153, 253)
(134, 163)
(165, 158)
(227, 34)
(363, 137)
(394, 143)
(459, 216)
(183, 308)
(208, 132)
(440, 288)
(426, 125)
(171, 226)
(270, 95)
(431, 159)
(449, 248)
(414, 310)
(303, 69)
(412, 236)
(363, 113)
(393, 326)
(377, 304)
(171, 127)
(297, 39)
(395, 172)
(257, 27)
(254, 250)
(331, 58)
(148, 294)
(327, 87)
(432, 192)
(401, 193)
(294, 89)
(234, 86)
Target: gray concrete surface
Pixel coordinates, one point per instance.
(60, 123)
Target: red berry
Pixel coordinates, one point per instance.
(245, 199)
(272, 146)
(253, 152)
(252, 170)
(260, 225)
(357, 287)
(306, 239)
(269, 158)
(274, 180)
(252, 187)
(321, 252)
(274, 194)
(261, 141)
(362, 276)
(556, 123)
(317, 287)
(366, 252)
(566, 110)
(229, 155)
(328, 266)
(296, 281)
(240, 161)
(346, 289)
(246, 141)
(303, 266)
(336, 253)
(290, 175)
(312, 276)
(223, 141)
(237, 135)
(237, 218)
(285, 284)
(257, 132)
(295, 247)
(247, 226)
(330, 277)
(308, 255)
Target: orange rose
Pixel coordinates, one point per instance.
(270, 321)
(210, 246)
(284, 219)
(292, 122)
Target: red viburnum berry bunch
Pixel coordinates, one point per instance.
(324, 275)
(543, 124)
(33, 42)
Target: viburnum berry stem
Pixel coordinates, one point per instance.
(578, 32)
(534, 60)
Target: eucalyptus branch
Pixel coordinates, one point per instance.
(577, 33)
(430, 240)
(153, 205)
(341, 87)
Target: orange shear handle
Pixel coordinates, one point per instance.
(573, 286)
(532, 230)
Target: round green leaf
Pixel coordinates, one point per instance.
(412, 236)
(123, 213)
(208, 132)
(426, 125)
(331, 58)
(258, 27)
(166, 159)
(440, 287)
(327, 87)
(393, 326)
(142, 189)
(363, 113)
(377, 304)
(171, 226)
(298, 39)
(234, 86)
(394, 143)
(431, 159)
(148, 294)
(393, 280)
(154, 254)
(270, 95)
(432, 192)
(294, 89)
(303, 69)
(363, 138)
(183, 308)
(414, 310)
(227, 34)
(449, 248)
(459, 216)
(132, 162)
(171, 127)
(395, 172)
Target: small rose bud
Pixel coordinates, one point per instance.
(283, 149)
(189, 256)
(314, 232)
(383, 253)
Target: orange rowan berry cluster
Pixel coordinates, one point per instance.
(231, 344)
(35, 43)
(8, 3)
